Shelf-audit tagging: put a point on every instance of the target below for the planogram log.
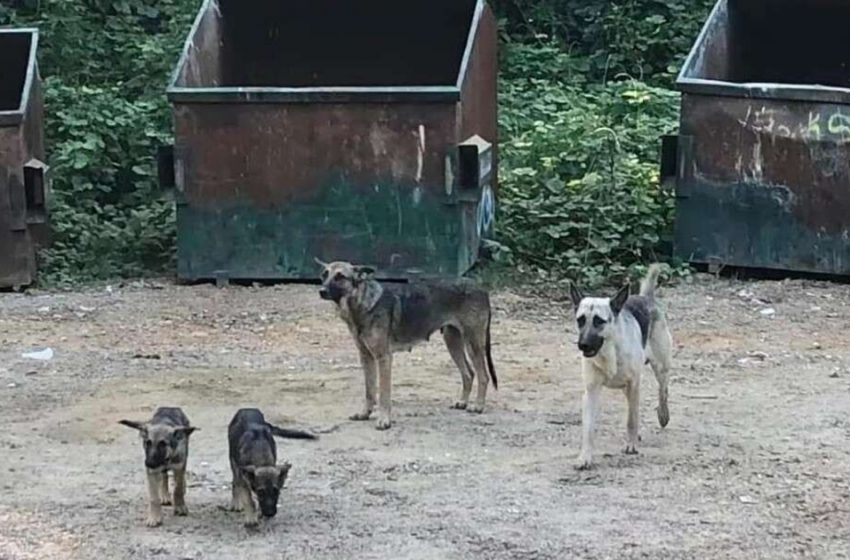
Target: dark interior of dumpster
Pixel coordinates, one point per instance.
(333, 43)
(14, 61)
(789, 42)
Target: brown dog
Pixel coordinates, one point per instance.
(165, 439)
(386, 318)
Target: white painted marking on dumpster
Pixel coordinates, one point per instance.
(486, 210)
(420, 160)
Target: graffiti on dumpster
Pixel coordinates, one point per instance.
(486, 211)
(831, 126)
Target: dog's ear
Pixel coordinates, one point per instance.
(363, 272)
(132, 424)
(320, 263)
(283, 472)
(248, 472)
(185, 430)
(619, 300)
(575, 295)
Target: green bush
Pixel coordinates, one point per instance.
(644, 39)
(579, 184)
(105, 65)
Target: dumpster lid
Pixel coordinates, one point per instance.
(17, 59)
(771, 49)
(228, 58)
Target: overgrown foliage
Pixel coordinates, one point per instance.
(580, 193)
(585, 96)
(105, 65)
(644, 39)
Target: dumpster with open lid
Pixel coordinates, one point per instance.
(23, 213)
(762, 160)
(360, 130)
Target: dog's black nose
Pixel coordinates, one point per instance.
(324, 293)
(584, 346)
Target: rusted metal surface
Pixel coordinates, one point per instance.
(763, 168)
(23, 191)
(283, 153)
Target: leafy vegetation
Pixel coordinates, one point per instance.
(105, 65)
(585, 96)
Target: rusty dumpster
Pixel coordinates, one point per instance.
(761, 164)
(362, 130)
(23, 209)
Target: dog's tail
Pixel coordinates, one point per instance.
(290, 433)
(490, 354)
(650, 281)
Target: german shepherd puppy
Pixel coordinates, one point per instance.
(165, 440)
(253, 460)
(387, 318)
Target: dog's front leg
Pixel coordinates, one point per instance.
(589, 414)
(370, 374)
(164, 496)
(154, 499)
(632, 420)
(385, 365)
(248, 508)
(180, 491)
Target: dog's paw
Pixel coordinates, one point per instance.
(165, 500)
(181, 510)
(153, 521)
(475, 408)
(663, 415)
(630, 450)
(459, 405)
(360, 416)
(234, 507)
(383, 423)
(251, 523)
(583, 464)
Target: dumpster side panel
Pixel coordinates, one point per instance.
(764, 184)
(17, 255)
(479, 115)
(265, 188)
(202, 62)
(713, 56)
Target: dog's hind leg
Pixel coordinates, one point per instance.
(632, 391)
(180, 491)
(370, 376)
(479, 365)
(661, 351)
(455, 344)
(164, 496)
(154, 500)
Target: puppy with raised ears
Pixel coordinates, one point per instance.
(253, 462)
(617, 337)
(165, 440)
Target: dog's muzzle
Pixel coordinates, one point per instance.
(331, 293)
(590, 345)
(155, 464)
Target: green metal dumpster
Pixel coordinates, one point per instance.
(362, 130)
(23, 210)
(761, 164)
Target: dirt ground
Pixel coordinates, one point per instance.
(754, 463)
